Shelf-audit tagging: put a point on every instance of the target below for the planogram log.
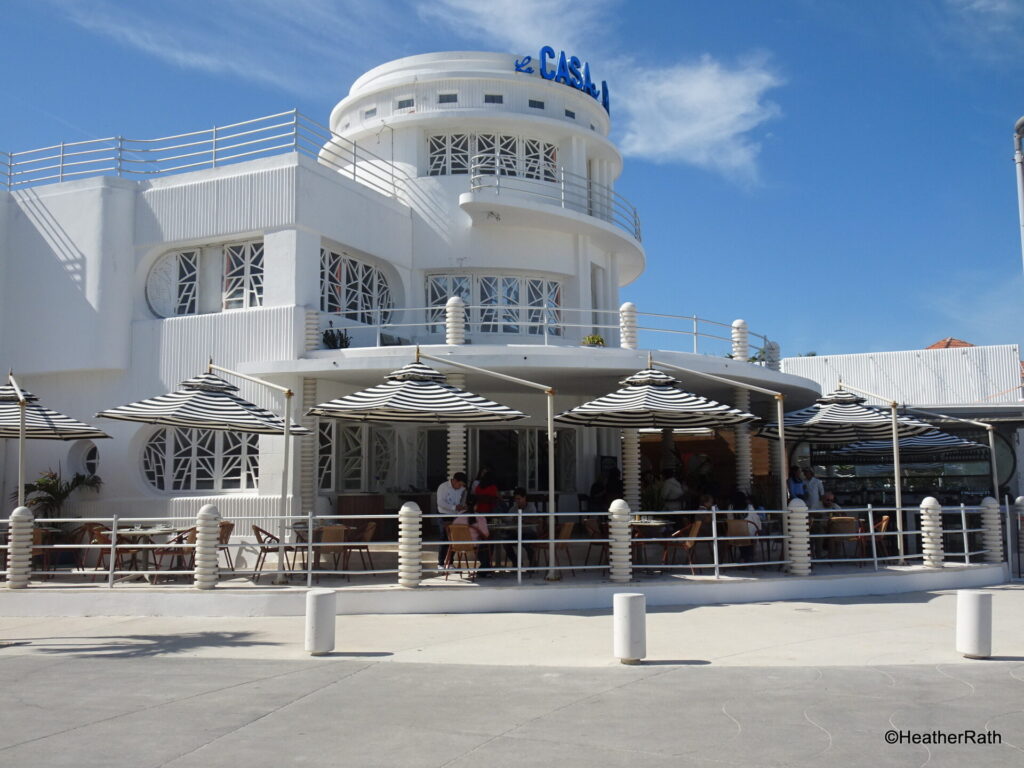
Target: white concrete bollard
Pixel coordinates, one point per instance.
(974, 623)
(992, 525)
(620, 566)
(19, 548)
(321, 609)
(455, 321)
(206, 571)
(627, 326)
(931, 532)
(629, 614)
(798, 541)
(410, 545)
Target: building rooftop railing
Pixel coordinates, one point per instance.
(534, 324)
(554, 185)
(278, 134)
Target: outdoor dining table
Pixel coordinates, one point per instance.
(144, 535)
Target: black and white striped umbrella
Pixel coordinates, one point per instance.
(650, 398)
(204, 402)
(40, 423)
(842, 417)
(935, 441)
(416, 393)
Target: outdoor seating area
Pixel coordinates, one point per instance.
(589, 547)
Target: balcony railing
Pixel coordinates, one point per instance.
(543, 325)
(554, 186)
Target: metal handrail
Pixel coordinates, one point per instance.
(554, 185)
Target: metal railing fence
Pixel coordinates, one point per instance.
(532, 324)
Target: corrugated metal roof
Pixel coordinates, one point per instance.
(919, 376)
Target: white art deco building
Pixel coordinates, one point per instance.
(126, 265)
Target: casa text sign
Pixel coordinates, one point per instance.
(568, 70)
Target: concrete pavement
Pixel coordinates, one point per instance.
(796, 684)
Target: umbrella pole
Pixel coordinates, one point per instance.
(21, 452)
(553, 575)
(780, 416)
(281, 577)
(898, 483)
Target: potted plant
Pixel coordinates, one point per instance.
(335, 338)
(46, 496)
(593, 340)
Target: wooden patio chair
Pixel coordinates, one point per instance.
(180, 550)
(844, 531)
(742, 527)
(332, 540)
(363, 546)
(881, 542)
(596, 530)
(223, 540)
(460, 550)
(267, 544)
(686, 544)
(40, 549)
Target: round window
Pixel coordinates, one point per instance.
(171, 287)
(84, 457)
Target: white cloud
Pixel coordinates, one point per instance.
(702, 113)
(988, 29)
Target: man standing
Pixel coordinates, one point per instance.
(813, 488)
(451, 502)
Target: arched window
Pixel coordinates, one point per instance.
(351, 287)
(172, 285)
(175, 459)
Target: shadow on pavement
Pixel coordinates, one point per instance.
(136, 646)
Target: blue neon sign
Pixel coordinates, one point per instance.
(568, 70)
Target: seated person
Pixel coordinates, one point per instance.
(533, 523)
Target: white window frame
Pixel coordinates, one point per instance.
(355, 458)
(242, 283)
(355, 289)
(523, 304)
(193, 461)
(451, 154)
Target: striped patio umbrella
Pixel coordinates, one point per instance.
(416, 393)
(842, 417)
(650, 398)
(204, 402)
(935, 441)
(39, 423)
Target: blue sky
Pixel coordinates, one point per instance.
(839, 174)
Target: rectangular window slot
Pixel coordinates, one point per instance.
(447, 98)
(570, 114)
(405, 103)
(369, 113)
(535, 104)
(493, 98)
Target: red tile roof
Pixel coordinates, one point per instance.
(948, 342)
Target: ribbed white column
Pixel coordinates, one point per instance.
(410, 545)
(19, 548)
(619, 544)
(456, 433)
(207, 534)
(627, 325)
(631, 468)
(993, 535)
(741, 400)
(798, 538)
(307, 449)
(455, 321)
(1018, 506)
(931, 532)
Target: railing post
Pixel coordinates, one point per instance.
(213, 148)
(993, 530)
(798, 538)
(620, 566)
(60, 170)
(355, 150)
(455, 321)
(120, 155)
(931, 532)
(627, 325)
(696, 334)
(741, 400)
(19, 548)
(206, 570)
(410, 545)
(1018, 506)
(561, 180)
(295, 130)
